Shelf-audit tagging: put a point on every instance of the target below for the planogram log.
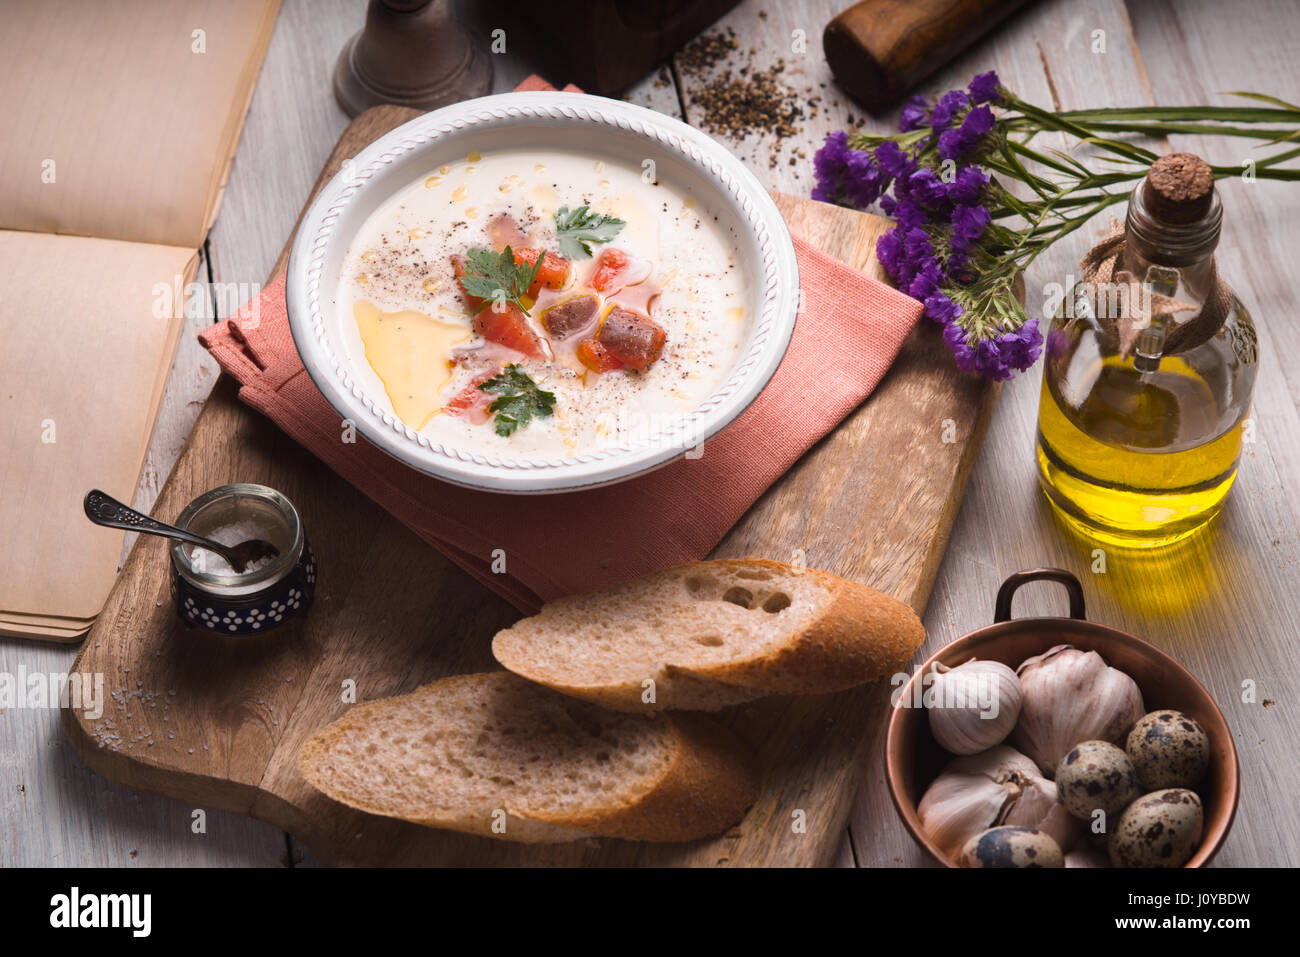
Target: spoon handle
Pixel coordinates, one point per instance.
(103, 509)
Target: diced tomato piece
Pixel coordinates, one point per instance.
(510, 328)
(571, 316)
(596, 357)
(553, 274)
(472, 401)
(609, 265)
(458, 267)
(633, 339)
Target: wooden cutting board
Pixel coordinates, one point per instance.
(874, 501)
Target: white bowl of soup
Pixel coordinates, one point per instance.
(542, 292)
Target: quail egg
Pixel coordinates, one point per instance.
(1160, 829)
(1011, 847)
(1096, 775)
(1168, 750)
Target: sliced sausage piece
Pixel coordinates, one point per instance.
(631, 338)
(570, 316)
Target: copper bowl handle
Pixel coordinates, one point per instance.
(1002, 607)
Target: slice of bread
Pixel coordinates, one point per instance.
(478, 752)
(707, 635)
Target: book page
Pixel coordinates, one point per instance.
(90, 329)
(121, 118)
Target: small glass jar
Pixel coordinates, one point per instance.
(210, 594)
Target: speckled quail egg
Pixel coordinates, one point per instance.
(1096, 775)
(1011, 847)
(1160, 829)
(1168, 750)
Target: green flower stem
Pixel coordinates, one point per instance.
(1225, 114)
(1054, 121)
(1195, 129)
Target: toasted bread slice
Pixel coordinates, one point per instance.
(706, 635)
(495, 755)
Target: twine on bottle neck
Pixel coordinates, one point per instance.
(1102, 268)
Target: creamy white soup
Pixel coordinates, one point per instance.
(543, 303)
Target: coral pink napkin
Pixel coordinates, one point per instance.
(849, 332)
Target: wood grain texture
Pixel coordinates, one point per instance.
(879, 49)
(1225, 606)
(1239, 612)
(392, 614)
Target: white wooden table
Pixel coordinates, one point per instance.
(1227, 609)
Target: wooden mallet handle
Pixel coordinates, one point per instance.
(878, 49)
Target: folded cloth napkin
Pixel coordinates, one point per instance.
(846, 337)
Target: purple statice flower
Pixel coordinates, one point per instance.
(966, 138)
(955, 338)
(946, 108)
(916, 243)
(889, 250)
(828, 166)
(893, 161)
(968, 224)
(888, 205)
(925, 187)
(969, 183)
(1011, 352)
(914, 114)
(844, 173)
(1021, 349)
(909, 214)
(985, 88)
(942, 309)
(862, 181)
(926, 281)
(999, 358)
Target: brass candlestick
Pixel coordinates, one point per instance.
(411, 53)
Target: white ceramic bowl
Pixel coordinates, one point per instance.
(607, 129)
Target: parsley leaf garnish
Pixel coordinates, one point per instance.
(497, 277)
(579, 228)
(521, 400)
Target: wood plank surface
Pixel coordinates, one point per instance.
(390, 607)
(1191, 50)
(1226, 606)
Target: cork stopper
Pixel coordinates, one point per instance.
(1179, 188)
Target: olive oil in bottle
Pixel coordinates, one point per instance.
(1141, 413)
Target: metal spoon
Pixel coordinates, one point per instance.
(103, 509)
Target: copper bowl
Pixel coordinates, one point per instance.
(913, 758)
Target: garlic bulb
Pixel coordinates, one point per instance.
(1072, 696)
(995, 787)
(973, 706)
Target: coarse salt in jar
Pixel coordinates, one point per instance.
(270, 591)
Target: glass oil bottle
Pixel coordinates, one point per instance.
(1142, 408)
